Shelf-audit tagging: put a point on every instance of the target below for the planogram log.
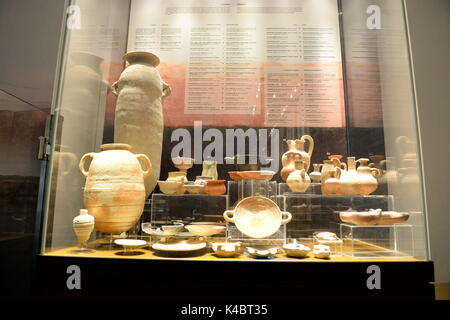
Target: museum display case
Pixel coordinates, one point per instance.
(279, 134)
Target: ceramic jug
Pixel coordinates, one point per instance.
(83, 225)
(210, 169)
(114, 192)
(327, 166)
(348, 178)
(297, 146)
(298, 180)
(365, 182)
(139, 112)
(289, 166)
(316, 175)
(331, 184)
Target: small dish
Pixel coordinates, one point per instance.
(184, 246)
(130, 244)
(256, 175)
(172, 229)
(171, 187)
(321, 251)
(296, 250)
(373, 217)
(262, 253)
(227, 249)
(205, 230)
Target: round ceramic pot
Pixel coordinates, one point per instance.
(114, 192)
(139, 116)
(215, 187)
(257, 217)
(298, 180)
(365, 181)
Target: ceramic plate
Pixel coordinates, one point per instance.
(256, 175)
(178, 247)
(130, 243)
(205, 230)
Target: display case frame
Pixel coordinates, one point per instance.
(334, 273)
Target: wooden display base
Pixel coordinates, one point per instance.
(205, 278)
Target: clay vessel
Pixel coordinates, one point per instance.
(327, 166)
(139, 113)
(179, 176)
(183, 164)
(316, 176)
(83, 225)
(215, 187)
(298, 146)
(114, 192)
(298, 180)
(210, 169)
(332, 184)
(348, 178)
(289, 165)
(365, 182)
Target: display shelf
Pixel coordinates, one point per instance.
(394, 241)
(311, 213)
(187, 208)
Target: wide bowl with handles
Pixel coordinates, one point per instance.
(257, 217)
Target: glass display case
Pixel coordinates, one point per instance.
(238, 131)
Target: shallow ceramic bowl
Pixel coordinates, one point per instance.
(373, 217)
(262, 253)
(257, 217)
(131, 243)
(256, 175)
(172, 229)
(296, 250)
(179, 247)
(226, 250)
(171, 187)
(205, 230)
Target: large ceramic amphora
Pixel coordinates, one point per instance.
(298, 146)
(114, 192)
(139, 113)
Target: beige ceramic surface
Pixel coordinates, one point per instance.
(131, 243)
(257, 217)
(139, 114)
(210, 169)
(227, 249)
(298, 146)
(298, 180)
(256, 175)
(348, 178)
(171, 187)
(297, 250)
(373, 217)
(179, 176)
(316, 175)
(183, 164)
(179, 247)
(332, 184)
(289, 165)
(205, 230)
(365, 183)
(114, 192)
(262, 253)
(194, 188)
(83, 225)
